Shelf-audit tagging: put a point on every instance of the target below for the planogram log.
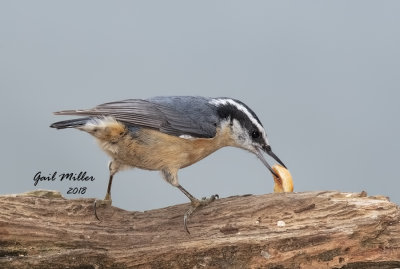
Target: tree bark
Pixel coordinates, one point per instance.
(41, 229)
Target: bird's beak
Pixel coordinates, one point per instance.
(267, 149)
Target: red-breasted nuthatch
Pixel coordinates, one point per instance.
(169, 133)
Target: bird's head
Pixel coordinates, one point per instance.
(245, 129)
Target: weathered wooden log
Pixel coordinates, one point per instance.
(41, 229)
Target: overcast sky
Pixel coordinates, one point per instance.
(322, 76)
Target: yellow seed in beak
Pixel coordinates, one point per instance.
(283, 183)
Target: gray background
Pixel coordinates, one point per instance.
(322, 76)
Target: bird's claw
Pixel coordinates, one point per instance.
(105, 202)
(194, 206)
(212, 197)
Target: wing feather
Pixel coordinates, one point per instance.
(172, 115)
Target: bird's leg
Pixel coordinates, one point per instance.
(195, 204)
(113, 167)
(171, 176)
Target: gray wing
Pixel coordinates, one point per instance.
(174, 115)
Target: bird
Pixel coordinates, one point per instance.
(168, 133)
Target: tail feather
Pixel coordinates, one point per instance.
(70, 123)
(78, 112)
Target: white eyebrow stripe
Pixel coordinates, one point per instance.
(219, 102)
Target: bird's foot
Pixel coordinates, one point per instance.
(101, 203)
(195, 204)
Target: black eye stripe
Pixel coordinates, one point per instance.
(255, 134)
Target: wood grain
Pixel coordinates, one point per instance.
(327, 229)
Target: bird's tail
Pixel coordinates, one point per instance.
(70, 123)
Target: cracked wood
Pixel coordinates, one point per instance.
(41, 229)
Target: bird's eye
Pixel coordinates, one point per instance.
(255, 134)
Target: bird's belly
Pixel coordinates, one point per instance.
(152, 150)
